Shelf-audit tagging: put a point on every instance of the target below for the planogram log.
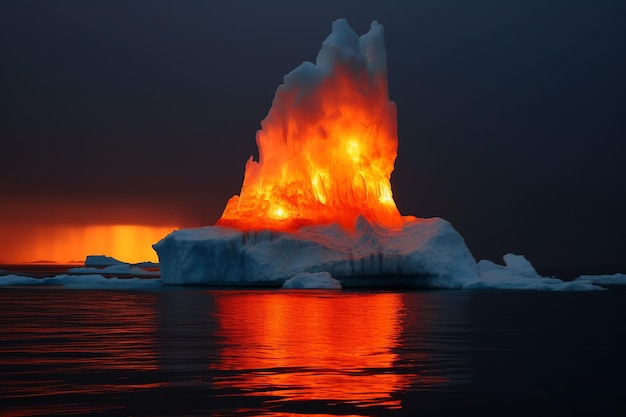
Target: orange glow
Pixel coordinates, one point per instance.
(344, 350)
(129, 243)
(326, 154)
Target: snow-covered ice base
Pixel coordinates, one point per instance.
(422, 253)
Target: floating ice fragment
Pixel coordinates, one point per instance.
(519, 274)
(101, 260)
(86, 282)
(616, 279)
(120, 269)
(318, 280)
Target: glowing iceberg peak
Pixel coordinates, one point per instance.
(328, 145)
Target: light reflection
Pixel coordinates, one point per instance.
(303, 346)
(268, 353)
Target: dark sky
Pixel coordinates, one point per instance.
(511, 114)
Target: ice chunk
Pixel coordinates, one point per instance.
(519, 274)
(525, 283)
(11, 280)
(514, 266)
(107, 261)
(318, 280)
(147, 264)
(101, 260)
(616, 279)
(87, 282)
(420, 253)
(119, 269)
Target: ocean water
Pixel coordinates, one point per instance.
(195, 352)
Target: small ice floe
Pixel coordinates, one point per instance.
(120, 269)
(615, 279)
(517, 273)
(86, 282)
(317, 280)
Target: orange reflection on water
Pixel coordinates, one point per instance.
(312, 346)
(62, 243)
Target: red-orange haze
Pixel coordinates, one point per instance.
(328, 145)
(64, 243)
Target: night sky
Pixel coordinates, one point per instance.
(511, 115)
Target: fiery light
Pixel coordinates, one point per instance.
(343, 351)
(328, 145)
(59, 243)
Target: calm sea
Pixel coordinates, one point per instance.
(177, 352)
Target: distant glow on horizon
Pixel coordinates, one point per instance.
(62, 244)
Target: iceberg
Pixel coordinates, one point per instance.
(102, 260)
(424, 253)
(317, 206)
(319, 198)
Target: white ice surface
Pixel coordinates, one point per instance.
(87, 282)
(427, 253)
(494, 277)
(120, 269)
(423, 253)
(517, 273)
(616, 279)
(318, 280)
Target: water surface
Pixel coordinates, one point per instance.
(279, 352)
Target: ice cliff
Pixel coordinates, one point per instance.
(421, 253)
